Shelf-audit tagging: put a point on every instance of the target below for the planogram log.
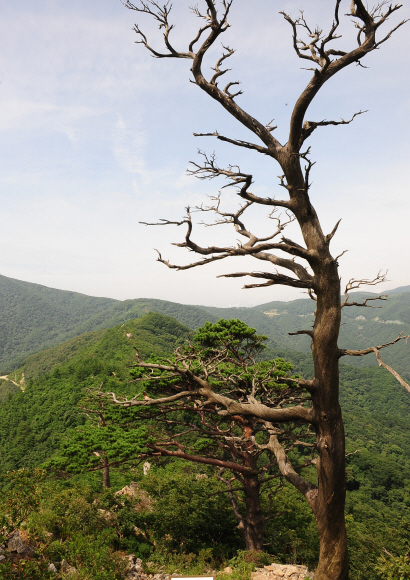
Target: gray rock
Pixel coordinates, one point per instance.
(2, 558)
(67, 569)
(282, 572)
(52, 568)
(16, 544)
(65, 566)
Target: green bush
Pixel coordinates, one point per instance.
(71, 525)
(396, 568)
(189, 514)
(25, 570)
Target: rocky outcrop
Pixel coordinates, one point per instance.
(16, 544)
(136, 572)
(64, 567)
(282, 572)
(134, 491)
(67, 569)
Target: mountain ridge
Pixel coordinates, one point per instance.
(34, 318)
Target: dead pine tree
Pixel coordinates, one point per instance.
(310, 266)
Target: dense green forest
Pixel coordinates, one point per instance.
(34, 318)
(39, 410)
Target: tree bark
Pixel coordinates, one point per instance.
(253, 524)
(328, 501)
(328, 506)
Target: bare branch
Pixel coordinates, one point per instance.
(312, 295)
(241, 525)
(388, 368)
(364, 352)
(309, 490)
(218, 72)
(193, 264)
(134, 402)
(237, 142)
(352, 453)
(328, 237)
(272, 279)
(215, 26)
(390, 33)
(366, 300)
(308, 332)
(354, 284)
(204, 460)
(160, 14)
(310, 126)
(210, 170)
(388, 553)
(367, 25)
(258, 248)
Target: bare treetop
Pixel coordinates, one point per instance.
(310, 43)
(314, 47)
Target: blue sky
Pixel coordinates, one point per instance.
(96, 136)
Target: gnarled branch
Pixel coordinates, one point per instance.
(310, 126)
(365, 351)
(272, 279)
(354, 284)
(392, 371)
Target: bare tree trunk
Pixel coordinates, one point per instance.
(328, 500)
(253, 524)
(329, 504)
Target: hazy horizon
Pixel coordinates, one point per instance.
(391, 290)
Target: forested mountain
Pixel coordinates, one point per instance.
(34, 318)
(43, 406)
(35, 421)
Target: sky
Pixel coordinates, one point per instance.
(96, 136)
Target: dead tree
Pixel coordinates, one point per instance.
(318, 272)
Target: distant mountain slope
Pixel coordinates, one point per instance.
(34, 318)
(361, 327)
(33, 421)
(399, 290)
